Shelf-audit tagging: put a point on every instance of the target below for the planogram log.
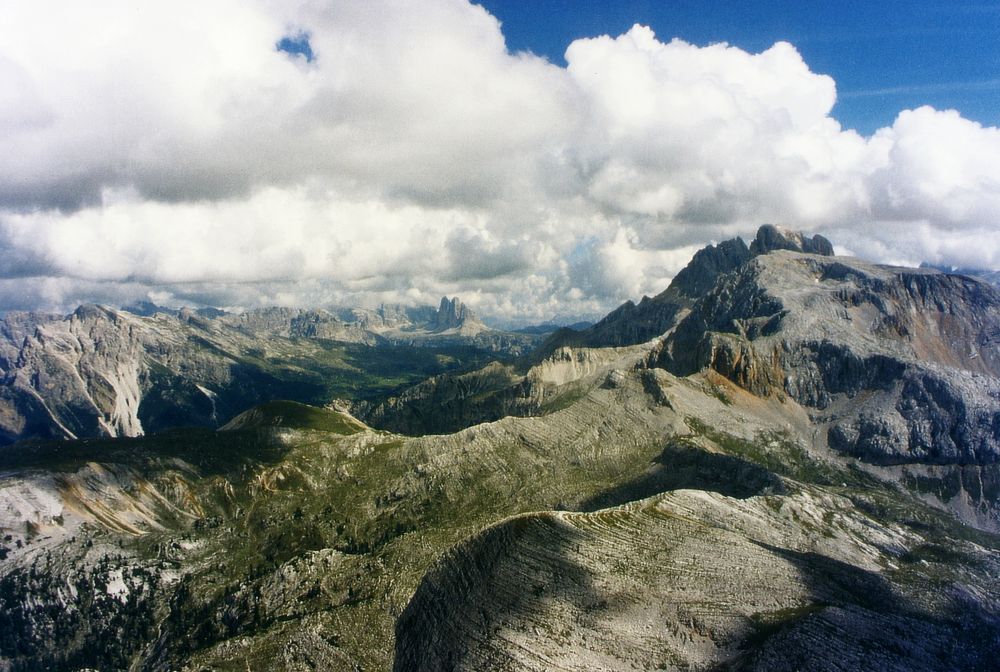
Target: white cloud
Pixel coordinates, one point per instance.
(940, 167)
(171, 148)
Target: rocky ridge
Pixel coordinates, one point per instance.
(678, 504)
(651, 318)
(703, 575)
(451, 402)
(896, 366)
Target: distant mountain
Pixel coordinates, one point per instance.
(102, 372)
(385, 324)
(455, 316)
(148, 309)
(992, 277)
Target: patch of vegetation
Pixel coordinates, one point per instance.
(719, 392)
(293, 415)
(777, 452)
(931, 552)
(107, 629)
(567, 396)
(209, 452)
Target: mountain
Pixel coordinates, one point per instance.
(449, 402)
(633, 323)
(104, 372)
(992, 277)
(898, 368)
(800, 472)
(455, 315)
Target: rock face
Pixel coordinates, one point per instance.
(452, 314)
(900, 359)
(631, 323)
(74, 377)
(770, 238)
(704, 269)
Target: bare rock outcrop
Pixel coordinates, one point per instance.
(633, 323)
(770, 238)
(895, 357)
(687, 580)
(452, 314)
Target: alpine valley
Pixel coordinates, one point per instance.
(105, 372)
(787, 460)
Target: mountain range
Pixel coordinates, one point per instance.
(106, 372)
(787, 460)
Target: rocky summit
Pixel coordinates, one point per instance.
(455, 315)
(787, 460)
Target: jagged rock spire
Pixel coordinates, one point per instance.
(452, 314)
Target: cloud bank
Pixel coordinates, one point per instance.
(173, 150)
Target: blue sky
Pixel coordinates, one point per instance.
(884, 56)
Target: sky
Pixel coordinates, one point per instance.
(885, 57)
(539, 159)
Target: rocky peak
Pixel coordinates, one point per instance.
(770, 238)
(453, 314)
(631, 323)
(92, 312)
(699, 276)
(708, 263)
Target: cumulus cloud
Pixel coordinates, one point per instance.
(173, 150)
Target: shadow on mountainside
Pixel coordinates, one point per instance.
(210, 452)
(457, 615)
(684, 466)
(864, 622)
